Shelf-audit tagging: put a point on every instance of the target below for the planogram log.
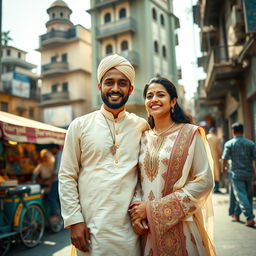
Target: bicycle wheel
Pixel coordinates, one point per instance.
(32, 226)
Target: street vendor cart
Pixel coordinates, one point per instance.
(22, 210)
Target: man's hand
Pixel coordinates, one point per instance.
(80, 236)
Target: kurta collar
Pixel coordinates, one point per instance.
(110, 116)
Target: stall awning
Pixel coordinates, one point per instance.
(20, 129)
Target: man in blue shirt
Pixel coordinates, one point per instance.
(242, 153)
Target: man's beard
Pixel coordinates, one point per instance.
(114, 105)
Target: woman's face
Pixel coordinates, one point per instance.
(158, 102)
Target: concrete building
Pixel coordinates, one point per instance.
(66, 67)
(19, 92)
(228, 46)
(143, 31)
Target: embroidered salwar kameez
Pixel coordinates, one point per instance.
(176, 181)
(96, 186)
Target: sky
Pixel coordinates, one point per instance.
(25, 19)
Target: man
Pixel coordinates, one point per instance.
(216, 151)
(242, 153)
(98, 171)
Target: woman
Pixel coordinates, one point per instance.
(175, 176)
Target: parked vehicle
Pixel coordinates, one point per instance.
(24, 214)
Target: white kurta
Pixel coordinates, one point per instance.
(97, 187)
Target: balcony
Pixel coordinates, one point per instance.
(115, 28)
(208, 37)
(57, 37)
(222, 70)
(55, 97)
(54, 68)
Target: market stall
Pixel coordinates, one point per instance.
(20, 140)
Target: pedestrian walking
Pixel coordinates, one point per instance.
(216, 151)
(242, 153)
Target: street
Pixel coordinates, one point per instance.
(231, 238)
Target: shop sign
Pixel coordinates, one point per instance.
(250, 15)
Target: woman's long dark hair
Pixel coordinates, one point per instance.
(178, 115)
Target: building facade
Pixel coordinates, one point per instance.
(19, 92)
(143, 31)
(228, 46)
(66, 67)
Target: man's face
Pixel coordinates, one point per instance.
(115, 89)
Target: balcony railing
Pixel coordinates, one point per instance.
(116, 27)
(55, 67)
(55, 96)
(57, 35)
(222, 65)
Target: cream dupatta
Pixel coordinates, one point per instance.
(182, 198)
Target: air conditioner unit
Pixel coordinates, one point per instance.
(237, 20)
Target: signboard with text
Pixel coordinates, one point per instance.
(20, 85)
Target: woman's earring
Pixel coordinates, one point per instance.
(172, 110)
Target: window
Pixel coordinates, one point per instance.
(64, 58)
(19, 55)
(124, 45)
(109, 49)
(107, 18)
(4, 106)
(8, 52)
(65, 87)
(54, 87)
(122, 13)
(61, 14)
(156, 46)
(164, 51)
(53, 59)
(162, 19)
(154, 15)
(31, 112)
(53, 15)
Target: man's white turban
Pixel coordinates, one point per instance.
(118, 62)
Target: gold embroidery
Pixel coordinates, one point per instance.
(164, 175)
(151, 196)
(165, 161)
(151, 161)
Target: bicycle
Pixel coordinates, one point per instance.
(21, 213)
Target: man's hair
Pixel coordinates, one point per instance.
(237, 128)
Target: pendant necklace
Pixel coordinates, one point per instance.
(157, 134)
(113, 148)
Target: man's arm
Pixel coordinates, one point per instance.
(68, 189)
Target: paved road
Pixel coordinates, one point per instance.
(231, 238)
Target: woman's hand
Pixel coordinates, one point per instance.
(137, 211)
(140, 228)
